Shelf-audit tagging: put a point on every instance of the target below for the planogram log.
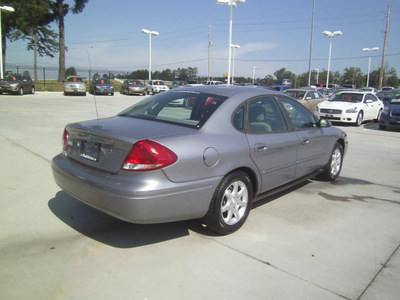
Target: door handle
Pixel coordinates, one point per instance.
(305, 141)
(260, 147)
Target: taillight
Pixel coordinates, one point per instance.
(147, 156)
(65, 139)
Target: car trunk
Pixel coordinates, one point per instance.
(104, 144)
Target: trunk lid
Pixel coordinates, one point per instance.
(104, 144)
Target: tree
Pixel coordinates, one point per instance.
(71, 71)
(283, 74)
(60, 10)
(353, 76)
(30, 22)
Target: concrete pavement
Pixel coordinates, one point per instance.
(317, 241)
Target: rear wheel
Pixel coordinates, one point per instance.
(334, 166)
(230, 204)
(33, 90)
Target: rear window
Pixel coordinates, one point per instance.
(185, 108)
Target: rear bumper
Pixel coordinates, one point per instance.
(145, 197)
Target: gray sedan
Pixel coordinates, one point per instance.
(208, 157)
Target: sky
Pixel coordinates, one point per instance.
(271, 35)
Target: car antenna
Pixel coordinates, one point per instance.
(94, 94)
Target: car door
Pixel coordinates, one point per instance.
(272, 145)
(372, 106)
(311, 152)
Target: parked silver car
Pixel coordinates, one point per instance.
(74, 85)
(133, 87)
(156, 86)
(209, 157)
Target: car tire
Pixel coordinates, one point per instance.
(21, 91)
(32, 90)
(231, 203)
(360, 118)
(333, 168)
(382, 127)
(378, 116)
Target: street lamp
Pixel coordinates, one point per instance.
(233, 61)
(330, 35)
(369, 63)
(317, 74)
(150, 33)
(8, 8)
(231, 4)
(254, 71)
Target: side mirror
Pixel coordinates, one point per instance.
(368, 101)
(308, 98)
(324, 123)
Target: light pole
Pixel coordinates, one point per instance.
(233, 61)
(369, 62)
(150, 33)
(8, 8)
(231, 4)
(317, 74)
(254, 71)
(330, 35)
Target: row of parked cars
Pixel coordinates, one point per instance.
(352, 106)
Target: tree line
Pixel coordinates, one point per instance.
(31, 22)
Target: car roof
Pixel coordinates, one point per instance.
(229, 91)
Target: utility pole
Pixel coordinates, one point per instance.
(209, 50)
(384, 49)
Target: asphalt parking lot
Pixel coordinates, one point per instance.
(316, 241)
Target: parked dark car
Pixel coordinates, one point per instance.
(176, 84)
(133, 87)
(208, 158)
(386, 95)
(101, 86)
(17, 84)
(390, 116)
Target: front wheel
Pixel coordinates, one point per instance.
(33, 90)
(230, 204)
(378, 116)
(334, 166)
(360, 118)
(21, 91)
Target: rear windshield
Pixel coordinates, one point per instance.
(101, 81)
(348, 97)
(190, 109)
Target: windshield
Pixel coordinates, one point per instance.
(183, 108)
(158, 82)
(135, 83)
(74, 79)
(295, 94)
(395, 100)
(13, 78)
(348, 97)
(101, 81)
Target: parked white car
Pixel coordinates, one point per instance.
(156, 86)
(350, 107)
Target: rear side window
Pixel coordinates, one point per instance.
(183, 108)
